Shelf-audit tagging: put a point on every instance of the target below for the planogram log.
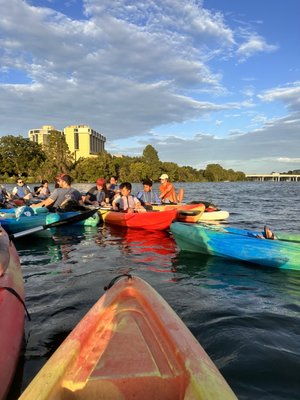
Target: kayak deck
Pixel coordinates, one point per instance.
(130, 345)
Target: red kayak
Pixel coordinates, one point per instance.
(151, 220)
(11, 311)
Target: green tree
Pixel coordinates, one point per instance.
(214, 173)
(20, 156)
(91, 168)
(150, 155)
(151, 159)
(59, 157)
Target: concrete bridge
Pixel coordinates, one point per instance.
(275, 176)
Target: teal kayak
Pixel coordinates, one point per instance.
(236, 244)
(28, 219)
(284, 236)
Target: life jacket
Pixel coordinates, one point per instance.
(147, 197)
(99, 195)
(126, 202)
(21, 191)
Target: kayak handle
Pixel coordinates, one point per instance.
(113, 281)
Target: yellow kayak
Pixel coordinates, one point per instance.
(130, 345)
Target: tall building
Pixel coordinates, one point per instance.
(41, 135)
(82, 140)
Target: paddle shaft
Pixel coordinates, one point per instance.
(71, 220)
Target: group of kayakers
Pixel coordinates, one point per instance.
(103, 193)
(21, 193)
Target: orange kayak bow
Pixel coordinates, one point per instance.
(130, 345)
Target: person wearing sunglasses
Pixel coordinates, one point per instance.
(21, 191)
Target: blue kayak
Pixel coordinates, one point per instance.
(25, 218)
(284, 236)
(237, 244)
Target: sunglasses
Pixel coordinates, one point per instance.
(20, 182)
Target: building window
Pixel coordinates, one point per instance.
(76, 140)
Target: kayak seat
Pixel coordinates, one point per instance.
(24, 211)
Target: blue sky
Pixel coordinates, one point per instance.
(202, 81)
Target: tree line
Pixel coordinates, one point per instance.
(20, 157)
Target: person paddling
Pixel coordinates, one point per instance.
(62, 196)
(97, 195)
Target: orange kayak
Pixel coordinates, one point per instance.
(151, 220)
(130, 345)
(11, 311)
(178, 207)
(185, 212)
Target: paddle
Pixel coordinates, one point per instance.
(71, 220)
(190, 212)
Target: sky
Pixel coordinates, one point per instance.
(201, 81)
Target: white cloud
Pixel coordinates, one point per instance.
(254, 44)
(130, 67)
(289, 160)
(288, 94)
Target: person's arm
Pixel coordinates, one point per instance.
(156, 198)
(166, 190)
(116, 202)
(49, 201)
(76, 195)
(86, 199)
(44, 203)
(139, 196)
(138, 205)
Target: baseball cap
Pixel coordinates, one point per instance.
(101, 181)
(59, 176)
(164, 176)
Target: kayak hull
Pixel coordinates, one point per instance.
(11, 312)
(130, 345)
(218, 215)
(151, 220)
(13, 225)
(219, 241)
(209, 214)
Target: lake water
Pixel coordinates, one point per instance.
(246, 317)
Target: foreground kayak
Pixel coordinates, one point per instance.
(151, 220)
(130, 345)
(11, 311)
(246, 246)
(30, 219)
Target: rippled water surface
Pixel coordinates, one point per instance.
(246, 317)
